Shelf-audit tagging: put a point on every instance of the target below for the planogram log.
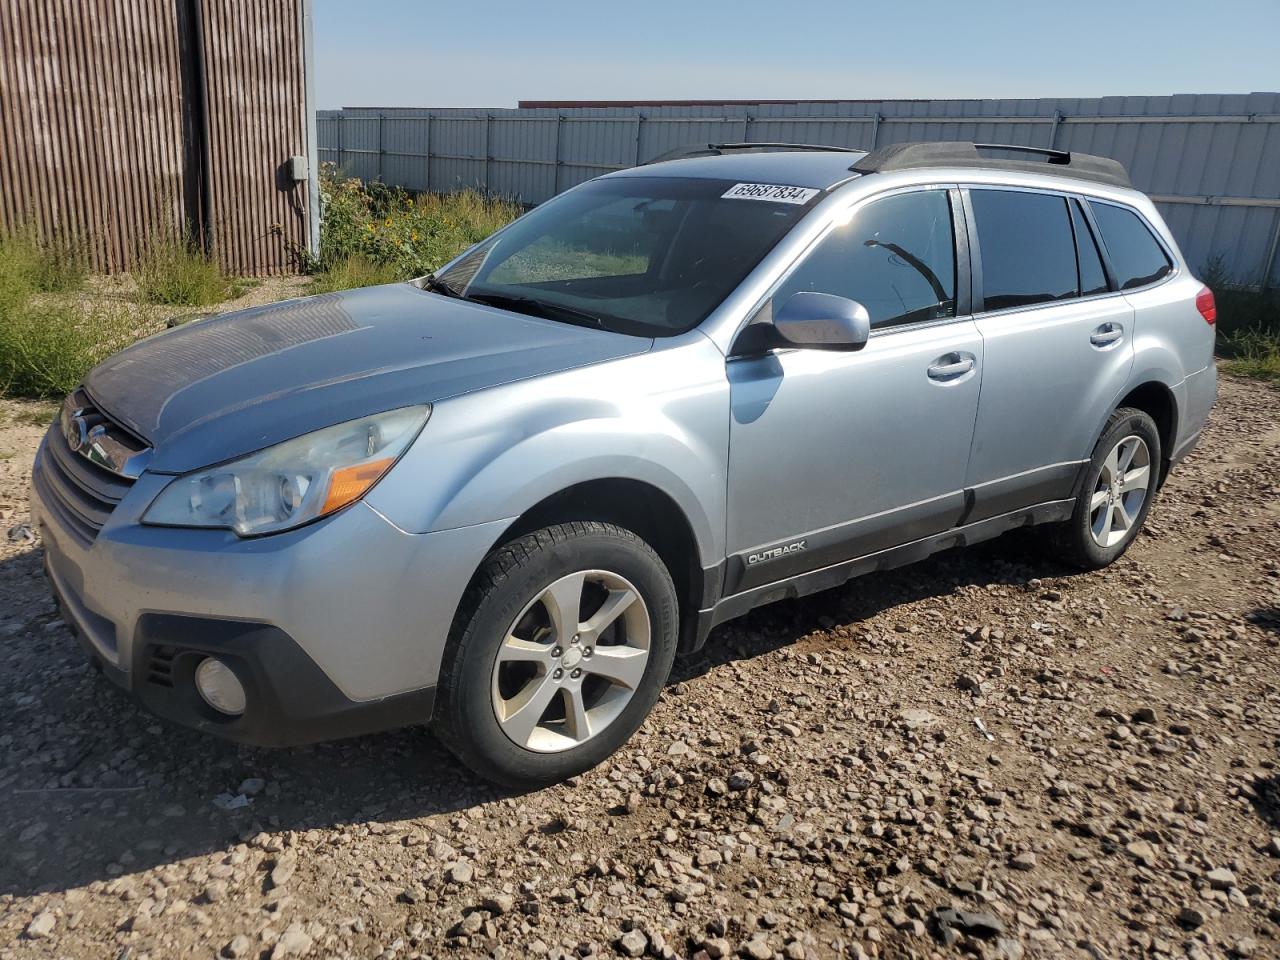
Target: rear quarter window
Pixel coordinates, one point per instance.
(1136, 256)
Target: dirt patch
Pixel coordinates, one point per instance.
(816, 783)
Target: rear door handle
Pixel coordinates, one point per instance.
(1106, 335)
(950, 366)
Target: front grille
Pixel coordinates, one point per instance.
(82, 493)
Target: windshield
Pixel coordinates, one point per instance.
(650, 256)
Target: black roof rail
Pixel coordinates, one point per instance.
(963, 153)
(717, 149)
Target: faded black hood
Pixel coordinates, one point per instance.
(224, 387)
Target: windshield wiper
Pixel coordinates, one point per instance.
(538, 308)
(436, 285)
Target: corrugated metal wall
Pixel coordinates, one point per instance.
(103, 139)
(254, 88)
(1212, 161)
(69, 72)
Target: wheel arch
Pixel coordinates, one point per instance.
(1156, 400)
(646, 510)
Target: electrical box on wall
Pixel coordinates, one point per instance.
(298, 168)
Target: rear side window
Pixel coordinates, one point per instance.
(896, 257)
(1135, 255)
(1027, 248)
(1093, 279)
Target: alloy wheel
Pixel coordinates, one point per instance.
(1120, 492)
(571, 662)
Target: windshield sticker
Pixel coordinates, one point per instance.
(769, 191)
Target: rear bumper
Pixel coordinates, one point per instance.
(1199, 391)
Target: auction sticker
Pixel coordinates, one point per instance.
(769, 191)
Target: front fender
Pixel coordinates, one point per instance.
(661, 418)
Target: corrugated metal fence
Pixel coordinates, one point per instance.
(1211, 161)
(127, 118)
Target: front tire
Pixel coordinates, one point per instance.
(1115, 495)
(559, 651)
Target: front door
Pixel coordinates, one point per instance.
(837, 455)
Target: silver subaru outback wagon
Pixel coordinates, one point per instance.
(500, 499)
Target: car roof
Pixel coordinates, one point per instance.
(822, 169)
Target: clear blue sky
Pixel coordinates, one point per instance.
(494, 52)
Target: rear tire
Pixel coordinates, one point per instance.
(559, 650)
(1115, 495)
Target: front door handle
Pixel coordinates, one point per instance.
(1106, 335)
(951, 366)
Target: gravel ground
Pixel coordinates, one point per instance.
(816, 783)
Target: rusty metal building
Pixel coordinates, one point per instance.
(124, 119)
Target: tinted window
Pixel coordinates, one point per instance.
(896, 257)
(1093, 279)
(1135, 255)
(1027, 248)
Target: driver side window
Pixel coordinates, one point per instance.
(896, 257)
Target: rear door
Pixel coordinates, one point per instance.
(1057, 342)
(837, 455)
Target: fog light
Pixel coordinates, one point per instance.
(220, 687)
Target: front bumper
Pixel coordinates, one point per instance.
(290, 699)
(335, 629)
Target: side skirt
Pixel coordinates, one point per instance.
(839, 574)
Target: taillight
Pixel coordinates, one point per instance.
(1206, 305)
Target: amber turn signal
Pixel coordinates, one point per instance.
(350, 483)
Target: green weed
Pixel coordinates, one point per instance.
(173, 270)
(47, 347)
(357, 270)
(372, 233)
(56, 263)
(1248, 324)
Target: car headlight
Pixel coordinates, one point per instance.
(294, 482)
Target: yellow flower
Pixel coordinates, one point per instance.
(413, 236)
(369, 227)
(387, 223)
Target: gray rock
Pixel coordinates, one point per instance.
(283, 871)
(917, 719)
(42, 925)
(1143, 852)
(1221, 878)
(633, 943)
(294, 942)
(499, 904)
(237, 947)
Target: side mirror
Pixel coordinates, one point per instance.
(822, 321)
